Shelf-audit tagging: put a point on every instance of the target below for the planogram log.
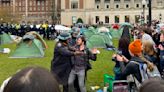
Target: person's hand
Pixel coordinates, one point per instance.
(114, 55)
(161, 47)
(78, 53)
(121, 58)
(95, 51)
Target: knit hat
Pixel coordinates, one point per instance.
(64, 36)
(135, 47)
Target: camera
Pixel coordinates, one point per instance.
(118, 52)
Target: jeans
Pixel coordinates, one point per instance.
(81, 77)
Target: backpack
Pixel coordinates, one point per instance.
(146, 73)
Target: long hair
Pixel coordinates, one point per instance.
(123, 46)
(148, 48)
(125, 32)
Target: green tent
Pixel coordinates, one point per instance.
(1, 49)
(89, 33)
(32, 48)
(107, 37)
(5, 39)
(98, 41)
(116, 33)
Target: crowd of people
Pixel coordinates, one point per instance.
(71, 61)
(142, 58)
(44, 29)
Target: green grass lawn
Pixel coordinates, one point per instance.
(103, 65)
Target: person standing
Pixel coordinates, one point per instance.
(80, 64)
(61, 62)
(161, 48)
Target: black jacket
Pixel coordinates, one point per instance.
(132, 68)
(61, 63)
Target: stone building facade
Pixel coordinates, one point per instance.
(109, 11)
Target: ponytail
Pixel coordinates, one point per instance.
(149, 64)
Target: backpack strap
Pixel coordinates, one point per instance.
(142, 69)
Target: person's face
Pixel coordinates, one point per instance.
(68, 40)
(79, 41)
(74, 34)
(162, 38)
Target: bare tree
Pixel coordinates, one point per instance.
(7, 16)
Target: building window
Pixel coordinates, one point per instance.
(16, 4)
(147, 18)
(97, 6)
(74, 4)
(34, 8)
(19, 8)
(46, 8)
(107, 6)
(23, 3)
(30, 8)
(30, 3)
(127, 18)
(43, 3)
(97, 19)
(46, 3)
(19, 3)
(117, 0)
(107, 0)
(117, 6)
(38, 3)
(97, 1)
(127, 0)
(137, 18)
(38, 8)
(106, 19)
(159, 3)
(137, 5)
(42, 8)
(34, 2)
(23, 8)
(117, 19)
(127, 6)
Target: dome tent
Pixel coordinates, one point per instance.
(31, 46)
